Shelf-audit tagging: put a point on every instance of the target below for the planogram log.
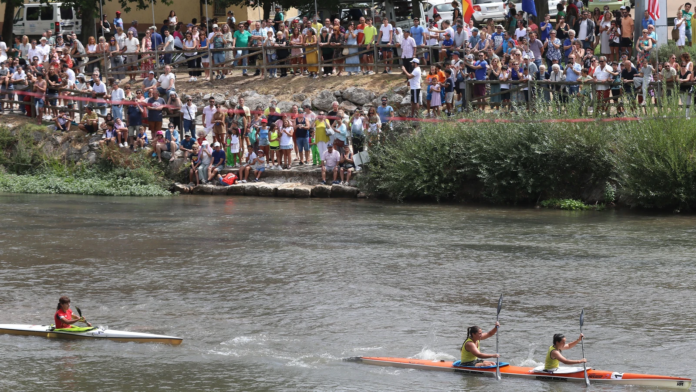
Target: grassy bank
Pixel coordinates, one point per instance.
(647, 164)
(27, 167)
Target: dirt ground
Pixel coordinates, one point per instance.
(284, 88)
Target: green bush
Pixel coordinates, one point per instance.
(507, 162)
(665, 51)
(648, 163)
(657, 164)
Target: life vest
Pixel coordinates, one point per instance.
(229, 179)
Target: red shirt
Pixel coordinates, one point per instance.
(360, 36)
(66, 315)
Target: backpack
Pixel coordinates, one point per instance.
(252, 136)
(228, 179)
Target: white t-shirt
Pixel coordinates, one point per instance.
(520, 32)
(132, 45)
(45, 50)
(415, 81)
(331, 158)
(386, 32)
(208, 112)
(582, 34)
(603, 75)
(169, 42)
(286, 140)
(99, 88)
(117, 95)
(165, 80)
(190, 111)
(71, 75)
(34, 52)
(3, 51)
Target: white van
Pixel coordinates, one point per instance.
(34, 19)
(401, 12)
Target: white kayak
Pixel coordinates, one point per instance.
(48, 331)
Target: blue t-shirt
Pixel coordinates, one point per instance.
(417, 33)
(218, 157)
(118, 22)
(473, 40)
(188, 144)
(572, 76)
(508, 45)
(567, 42)
(545, 33)
(383, 112)
(156, 40)
(498, 39)
(135, 116)
(263, 133)
(448, 42)
(481, 72)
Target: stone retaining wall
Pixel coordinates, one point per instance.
(264, 189)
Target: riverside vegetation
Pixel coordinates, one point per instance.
(649, 163)
(25, 167)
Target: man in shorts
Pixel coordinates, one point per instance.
(90, 121)
(329, 163)
(154, 112)
(135, 117)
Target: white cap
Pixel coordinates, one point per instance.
(216, 144)
(415, 61)
(215, 26)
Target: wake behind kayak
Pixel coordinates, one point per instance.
(538, 373)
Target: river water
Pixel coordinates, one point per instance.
(272, 294)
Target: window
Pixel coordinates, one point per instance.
(19, 15)
(47, 13)
(219, 9)
(33, 13)
(444, 8)
(66, 13)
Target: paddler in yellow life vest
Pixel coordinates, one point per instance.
(471, 356)
(554, 356)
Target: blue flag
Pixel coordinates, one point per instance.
(529, 7)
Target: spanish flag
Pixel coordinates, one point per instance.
(467, 10)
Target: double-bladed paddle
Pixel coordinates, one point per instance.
(79, 311)
(582, 344)
(497, 360)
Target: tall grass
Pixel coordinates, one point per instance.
(650, 163)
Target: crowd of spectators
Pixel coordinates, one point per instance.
(65, 76)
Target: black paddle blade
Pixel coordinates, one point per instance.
(78, 311)
(500, 303)
(582, 317)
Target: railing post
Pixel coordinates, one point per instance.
(467, 93)
(529, 95)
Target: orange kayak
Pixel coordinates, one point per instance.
(562, 374)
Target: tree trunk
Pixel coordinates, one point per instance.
(266, 10)
(542, 8)
(88, 23)
(416, 10)
(8, 22)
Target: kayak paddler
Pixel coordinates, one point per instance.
(64, 317)
(471, 356)
(554, 356)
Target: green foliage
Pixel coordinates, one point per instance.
(565, 204)
(648, 163)
(657, 164)
(27, 169)
(665, 51)
(510, 162)
(82, 181)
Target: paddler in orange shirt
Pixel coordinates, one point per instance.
(471, 356)
(64, 317)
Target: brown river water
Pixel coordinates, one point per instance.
(273, 294)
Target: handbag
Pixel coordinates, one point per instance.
(675, 34)
(193, 119)
(345, 51)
